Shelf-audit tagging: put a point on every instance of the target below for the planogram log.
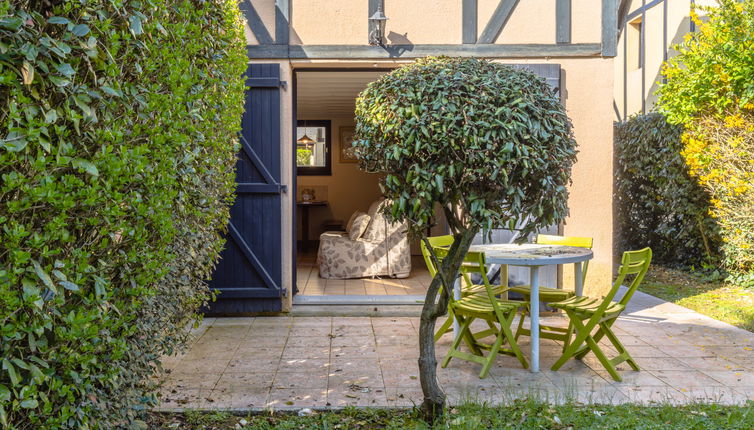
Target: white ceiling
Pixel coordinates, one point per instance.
(325, 95)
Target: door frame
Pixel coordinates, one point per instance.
(294, 121)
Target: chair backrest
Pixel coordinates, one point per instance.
(581, 242)
(435, 241)
(634, 263)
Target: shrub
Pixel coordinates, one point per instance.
(710, 91)
(489, 144)
(658, 203)
(116, 157)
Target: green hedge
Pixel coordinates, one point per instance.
(118, 125)
(658, 204)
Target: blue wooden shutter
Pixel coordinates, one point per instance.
(249, 273)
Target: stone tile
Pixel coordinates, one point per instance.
(297, 352)
(233, 321)
(300, 380)
(356, 396)
(182, 381)
(720, 395)
(403, 397)
(709, 363)
(354, 341)
(314, 366)
(203, 366)
(185, 398)
(633, 379)
(400, 373)
(363, 379)
(662, 363)
(654, 395)
(282, 398)
(686, 351)
(308, 341)
(239, 381)
(260, 340)
(249, 397)
(247, 365)
(353, 352)
(390, 352)
(298, 322)
(250, 351)
(742, 379)
(686, 379)
(312, 331)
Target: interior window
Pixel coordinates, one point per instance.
(313, 147)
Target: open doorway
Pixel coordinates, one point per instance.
(331, 189)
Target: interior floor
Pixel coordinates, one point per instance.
(310, 284)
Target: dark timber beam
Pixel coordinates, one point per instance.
(418, 51)
(497, 21)
(255, 22)
(609, 28)
(469, 21)
(563, 21)
(282, 21)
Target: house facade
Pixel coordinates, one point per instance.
(307, 61)
(648, 33)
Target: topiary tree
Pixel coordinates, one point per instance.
(710, 92)
(658, 203)
(489, 144)
(118, 127)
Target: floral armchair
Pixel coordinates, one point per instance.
(382, 250)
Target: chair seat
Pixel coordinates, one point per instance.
(546, 294)
(481, 289)
(480, 304)
(587, 306)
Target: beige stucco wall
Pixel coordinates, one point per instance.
(344, 22)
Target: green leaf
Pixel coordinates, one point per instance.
(69, 285)
(29, 404)
(46, 280)
(58, 81)
(135, 24)
(8, 366)
(80, 30)
(65, 69)
(4, 393)
(86, 166)
(58, 20)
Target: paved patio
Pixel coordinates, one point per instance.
(295, 362)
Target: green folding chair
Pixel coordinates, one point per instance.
(468, 267)
(550, 294)
(587, 314)
(498, 313)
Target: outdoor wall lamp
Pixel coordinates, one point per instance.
(377, 27)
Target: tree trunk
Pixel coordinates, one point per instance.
(434, 398)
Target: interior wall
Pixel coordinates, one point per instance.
(347, 190)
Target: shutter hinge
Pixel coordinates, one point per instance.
(284, 189)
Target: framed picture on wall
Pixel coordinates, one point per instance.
(347, 153)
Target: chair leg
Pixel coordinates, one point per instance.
(606, 363)
(574, 347)
(465, 323)
(622, 351)
(493, 353)
(568, 336)
(445, 327)
(512, 340)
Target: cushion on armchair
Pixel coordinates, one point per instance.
(359, 226)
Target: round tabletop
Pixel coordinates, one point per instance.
(532, 254)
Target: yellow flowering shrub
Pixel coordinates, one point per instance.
(719, 151)
(710, 91)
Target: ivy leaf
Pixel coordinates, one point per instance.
(27, 72)
(65, 69)
(86, 166)
(59, 82)
(43, 275)
(58, 20)
(69, 285)
(4, 393)
(29, 404)
(80, 30)
(135, 24)
(8, 366)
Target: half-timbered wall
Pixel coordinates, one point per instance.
(578, 35)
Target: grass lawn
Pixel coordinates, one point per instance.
(725, 302)
(519, 415)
